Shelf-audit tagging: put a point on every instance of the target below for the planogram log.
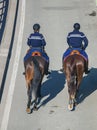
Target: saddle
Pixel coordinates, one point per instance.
(77, 52)
(35, 52)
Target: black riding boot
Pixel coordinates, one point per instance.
(86, 68)
(62, 69)
(46, 69)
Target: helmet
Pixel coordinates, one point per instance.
(36, 26)
(76, 26)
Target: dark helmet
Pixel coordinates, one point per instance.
(76, 26)
(36, 26)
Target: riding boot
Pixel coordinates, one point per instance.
(62, 69)
(46, 69)
(86, 68)
(24, 73)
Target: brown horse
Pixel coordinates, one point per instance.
(34, 73)
(74, 67)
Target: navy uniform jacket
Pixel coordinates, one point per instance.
(75, 39)
(36, 40)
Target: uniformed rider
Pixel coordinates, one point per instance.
(77, 40)
(36, 40)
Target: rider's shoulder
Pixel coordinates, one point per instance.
(70, 33)
(82, 33)
(31, 34)
(41, 35)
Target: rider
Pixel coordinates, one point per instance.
(36, 40)
(78, 40)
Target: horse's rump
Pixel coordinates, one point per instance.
(31, 65)
(73, 62)
(76, 51)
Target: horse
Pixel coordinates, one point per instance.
(34, 72)
(74, 67)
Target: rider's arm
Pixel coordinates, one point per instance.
(68, 40)
(29, 40)
(85, 41)
(43, 40)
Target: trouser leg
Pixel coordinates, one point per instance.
(47, 68)
(86, 67)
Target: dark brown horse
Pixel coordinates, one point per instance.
(74, 67)
(34, 73)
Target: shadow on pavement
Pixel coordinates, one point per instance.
(88, 86)
(53, 86)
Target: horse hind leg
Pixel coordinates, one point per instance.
(39, 89)
(29, 79)
(72, 101)
(37, 97)
(35, 107)
(72, 93)
(37, 93)
(29, 93)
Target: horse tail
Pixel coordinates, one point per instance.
(79, 71)
(37, 75)
(72, 66)
(72, 70)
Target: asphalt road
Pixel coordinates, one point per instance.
(56, 18)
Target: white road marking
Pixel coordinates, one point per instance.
(5, 119)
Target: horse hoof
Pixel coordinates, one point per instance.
(75, 104)
(28, 110)
(70, 107)
(35, 108)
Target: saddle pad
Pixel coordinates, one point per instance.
(35, 52)
(73, 52)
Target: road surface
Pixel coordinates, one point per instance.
(56, 18)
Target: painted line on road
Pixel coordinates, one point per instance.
(5, 119)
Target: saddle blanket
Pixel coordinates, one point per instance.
(77, 51)
(38, 51)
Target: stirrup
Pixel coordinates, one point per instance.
(48, 72)
(87, 72)
(24, 73)
(61, 69)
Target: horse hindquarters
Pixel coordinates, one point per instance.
(33, 78)
(74, 69)
(70, 71)
(29, 71)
